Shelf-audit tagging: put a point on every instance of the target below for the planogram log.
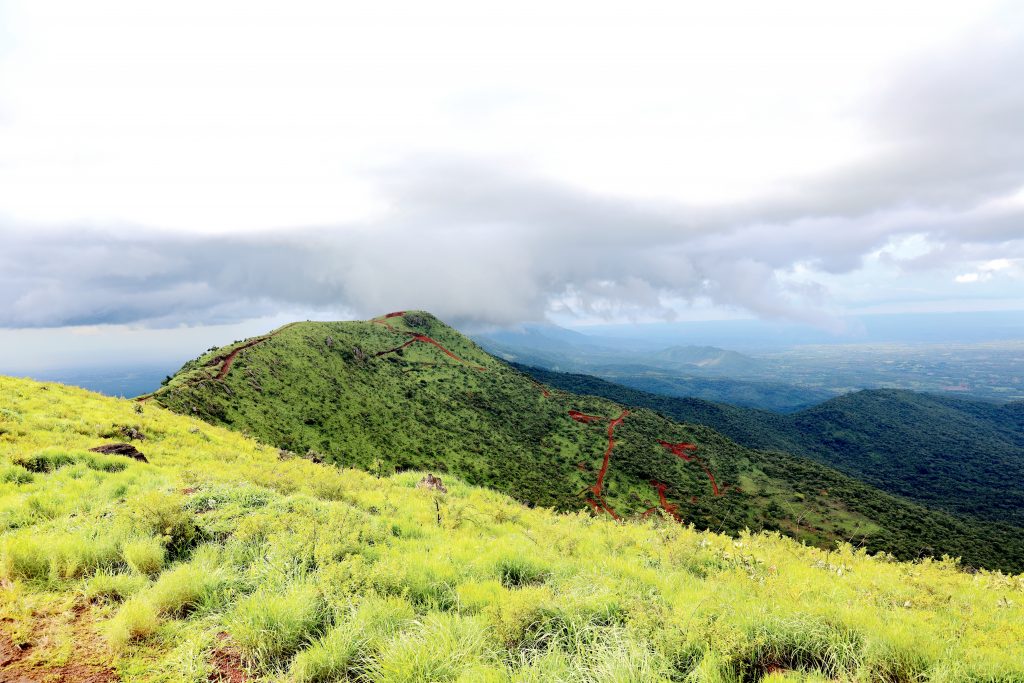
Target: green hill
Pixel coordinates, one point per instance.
(966, 457)
(216, 558)
(408, 392)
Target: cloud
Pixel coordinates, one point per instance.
(493, 241)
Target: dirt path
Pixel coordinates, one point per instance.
(225, 361)
(685, 450)
(417, 337)
(230, 358)
(597, 502)
(670, 508)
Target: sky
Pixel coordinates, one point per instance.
(189, 172)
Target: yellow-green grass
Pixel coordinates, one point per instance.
(313, 573)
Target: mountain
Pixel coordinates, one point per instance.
(705, 371)
(199, 554)
(966, 457)
(706, 359)
(406, 392)
(765, 395)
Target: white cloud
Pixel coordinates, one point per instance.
(164, 163)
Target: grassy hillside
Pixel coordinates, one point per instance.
(374, 396)
(966, 457)
(221, 558)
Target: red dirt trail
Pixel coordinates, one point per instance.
(225, 368)
(228, 360)
(683, 450)
(670, 508)
(598, 503)
(417, 337)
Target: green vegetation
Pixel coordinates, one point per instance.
(965, 457)
(296, 571)
(319, 390)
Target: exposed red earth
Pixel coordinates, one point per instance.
(597, 502)
(683, 450)
(225, 367)
(417, 337)
(670, 508)
(228, 360)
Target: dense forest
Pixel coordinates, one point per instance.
(966, 457)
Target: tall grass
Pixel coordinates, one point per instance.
(220, 545)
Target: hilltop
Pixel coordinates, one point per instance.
(958, 455)
(214, 557)
(407, 392)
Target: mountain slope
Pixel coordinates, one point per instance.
(966, 457)
(217, 559)
(407, 392)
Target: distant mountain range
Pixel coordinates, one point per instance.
(704, 371)
(966, 457)
(405, 391)
(776, 379)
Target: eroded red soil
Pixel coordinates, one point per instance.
(417, 337)
(685, 451)
(597, 502)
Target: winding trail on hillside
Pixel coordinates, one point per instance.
(597, 502)
(685, 451)
(417, 337)
(226, 360)
(670, 508)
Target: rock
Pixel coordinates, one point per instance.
(132, 433)
(329, 341)
(358, 353)
(432, 483)
(125, 449)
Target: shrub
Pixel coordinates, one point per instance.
(345, 648)
(44, 461)
(145, 555)
(180, 590)
(271, 628)
(137, 619)
(106, 586)
(78, 555)
(16, 475)
(441, 650)
(24, 558)
(516, 571)
(164, 515)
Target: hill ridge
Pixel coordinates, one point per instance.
(321, 388)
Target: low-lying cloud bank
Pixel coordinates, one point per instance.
(477, 241)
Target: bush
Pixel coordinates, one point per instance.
(516, 571)
(137, 619)
(16, 475)
(24, 558)
(145, 555)
(57, 558)
(44, 461)
(165, 516)
(180, 590)
(444, 646)
(345, 649)
(105, 586)
(270, 628)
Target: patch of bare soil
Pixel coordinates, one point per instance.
(88, 661)
(227, 664)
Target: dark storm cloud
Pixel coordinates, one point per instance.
(473, 241)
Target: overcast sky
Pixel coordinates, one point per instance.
(237, 163)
